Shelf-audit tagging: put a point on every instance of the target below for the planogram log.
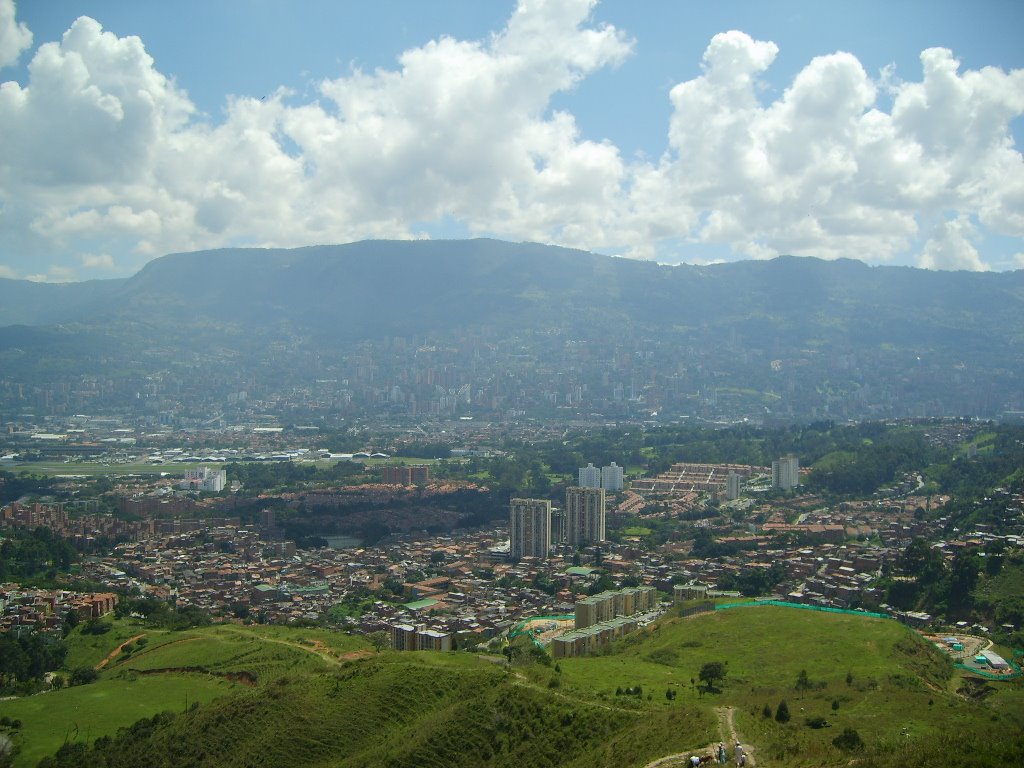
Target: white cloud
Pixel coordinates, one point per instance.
(822, 171)
(56, 273)
(15, 37)
(7, 272)
(102, 154)
(950, 247)
(98, 261)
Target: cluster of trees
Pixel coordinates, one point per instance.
(24, 660)
(15, 485)
(753, 582)
(861, 467)
(922, 580)
(157, 613)
(258, 476)
(27, 552)
(704, 545)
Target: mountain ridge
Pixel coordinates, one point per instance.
(843, 317)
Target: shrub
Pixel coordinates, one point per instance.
(96, 627)
(83, 675)
(849, 741)
(782, 712)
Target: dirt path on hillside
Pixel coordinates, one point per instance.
(113, 654)
(727, 729)
(316, 647)
(727, 733)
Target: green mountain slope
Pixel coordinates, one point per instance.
(316, 702)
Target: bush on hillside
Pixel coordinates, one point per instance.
(782, 712)
(849, 741)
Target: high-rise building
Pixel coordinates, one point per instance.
(557, 526)
(611, 477)
(205, 479)
(590, 477)
(405, 474)
(398, 474)
(419, 474)
(584, 516)
(530, 528)
(786, 472)
(733, 485)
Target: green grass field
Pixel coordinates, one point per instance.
(324, 699)
(197, 665)
(89, 650)
(901, 688)
(101, 469)
(99, 709)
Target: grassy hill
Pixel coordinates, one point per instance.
(274, 696)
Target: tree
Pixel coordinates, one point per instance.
(803, 682)
(379, 640)
(782, 712)
(711, 673)
(766, 713)
(83, 675)
(849, 741)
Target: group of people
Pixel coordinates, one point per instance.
(720, 754)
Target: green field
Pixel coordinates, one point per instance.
(168, 670)
(900, 687)
(101, 469)
(313, 697)
(99, 709)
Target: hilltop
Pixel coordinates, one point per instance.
(314, 698)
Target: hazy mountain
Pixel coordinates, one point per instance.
(24, 302)
(375, 288)
(237, 304)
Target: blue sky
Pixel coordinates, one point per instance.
(639, 129)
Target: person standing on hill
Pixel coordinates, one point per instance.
(721, 753)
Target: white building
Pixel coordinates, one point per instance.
(611, 477)
(205, 479)
(786, 472)
(733, 486)
(590, 477)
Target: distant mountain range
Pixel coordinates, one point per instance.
(327, 297)
(375, 287)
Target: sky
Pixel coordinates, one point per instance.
(696, 132)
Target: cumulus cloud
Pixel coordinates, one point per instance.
(98, 261)
(950, 247)
(15, 37)
(822, 171)
(100, 153)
